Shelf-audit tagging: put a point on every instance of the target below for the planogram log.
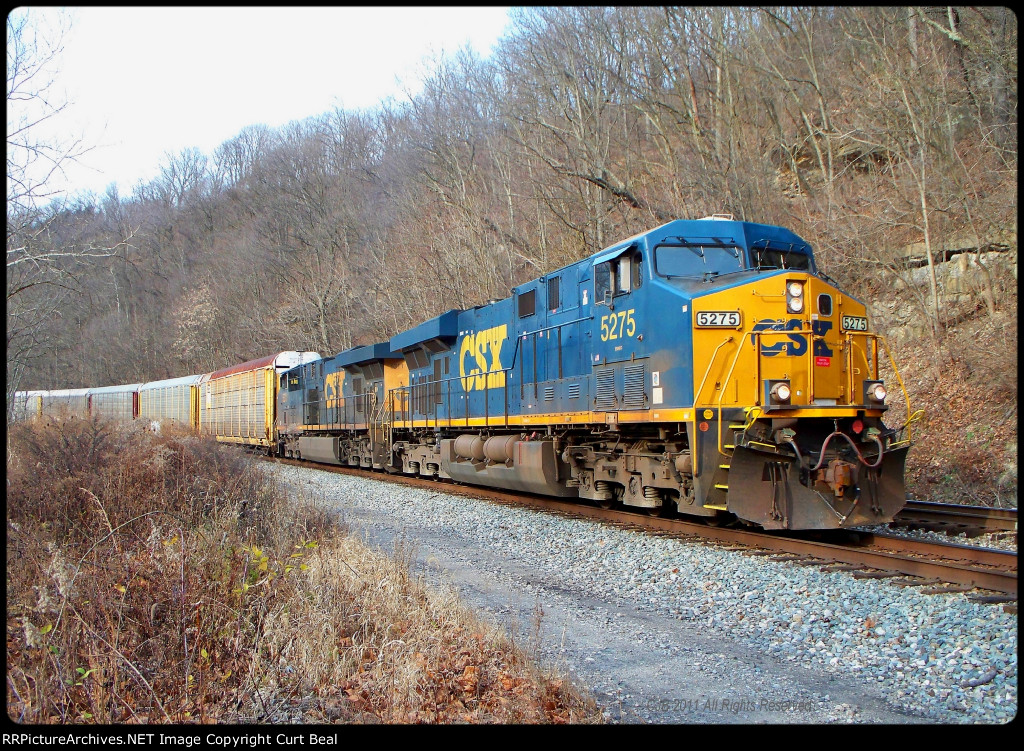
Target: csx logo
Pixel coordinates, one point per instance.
(333, 387)
(797, 344)
(482, 350)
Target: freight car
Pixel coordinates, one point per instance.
(118, 403)
(236, 404)
(65, 403)
(27, 405)
(173, 400)
(705, 366)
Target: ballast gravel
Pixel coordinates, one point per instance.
(666, 630)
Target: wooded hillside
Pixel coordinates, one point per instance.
(887, 137)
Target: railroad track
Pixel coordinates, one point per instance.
(952, 518)
(934, 566)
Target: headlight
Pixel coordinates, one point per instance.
(779, 392)
(874, 391)
(794, 297)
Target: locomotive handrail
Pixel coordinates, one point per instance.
(487, 381)
(757, 394)
(708, 371)
(912, 417)
(757, 355)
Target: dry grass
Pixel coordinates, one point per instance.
(378, 646)
(165, 579)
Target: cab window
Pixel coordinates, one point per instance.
(618, 276)
(770, 258)
(696, 260)
(527, 303)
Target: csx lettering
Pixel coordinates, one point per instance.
(332, 387)
(482, 350)
(797, 344)
(820, 328)
(772, 346)
(617, 325)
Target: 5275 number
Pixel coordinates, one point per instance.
(617, 325)
(729, 319)
(855, 323)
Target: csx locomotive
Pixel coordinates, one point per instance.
(704, 367)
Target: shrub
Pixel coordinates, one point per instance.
(168, 579)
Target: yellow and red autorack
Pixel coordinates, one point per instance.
(704, 367)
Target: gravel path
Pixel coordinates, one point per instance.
(666, 631)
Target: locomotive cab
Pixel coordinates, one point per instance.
(788, 401)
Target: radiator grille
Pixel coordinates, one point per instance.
(604, 397)
(633, 394)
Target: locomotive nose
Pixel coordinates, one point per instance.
(765, 488)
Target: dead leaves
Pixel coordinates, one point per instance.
(469, 681)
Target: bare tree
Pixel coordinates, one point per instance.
(42, 268)
(184, 178)
(235, 159)
(32, 102)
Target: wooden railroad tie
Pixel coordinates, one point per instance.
(951, 589)
(874, 575)
(992, 598)
(810, 562)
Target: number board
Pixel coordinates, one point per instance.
(719, 319)
(855, 323)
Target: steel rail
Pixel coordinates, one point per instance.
(948, 514)
(946, 550)
(965, 565)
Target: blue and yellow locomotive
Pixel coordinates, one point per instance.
(705, 366)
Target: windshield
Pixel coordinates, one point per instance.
(696, 260)
(771, 258)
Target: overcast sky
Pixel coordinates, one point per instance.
(145, 81)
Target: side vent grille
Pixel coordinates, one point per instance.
(549, 393)
(633, 394)
(604, 398)
(574, 391)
